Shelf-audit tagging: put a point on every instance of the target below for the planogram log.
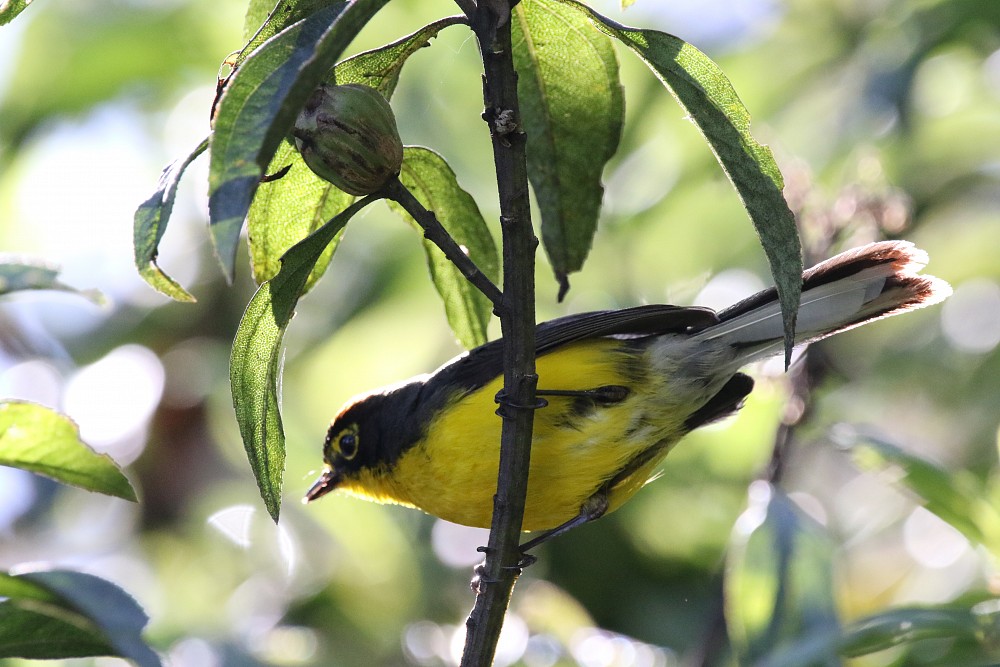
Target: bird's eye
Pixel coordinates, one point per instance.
(347, 445)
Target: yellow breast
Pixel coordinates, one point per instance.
(576, 445)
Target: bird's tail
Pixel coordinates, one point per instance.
(846, 291)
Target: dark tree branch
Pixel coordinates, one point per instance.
(439, 236)
(468, 7)
(496, 577)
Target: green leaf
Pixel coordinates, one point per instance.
(572, 108)
(779, 576)
(259, 106)
(956, 498)
(288, 209)
(151, 223)
(433, 183)
(972, 634)
(38, 439)
(265, 19)
(254, 365)
(380, 68)
(24, 273)
(63, 614)
(11, 8)
(710, 100)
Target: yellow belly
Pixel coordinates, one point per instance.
(574, 452)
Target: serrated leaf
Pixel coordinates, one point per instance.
(957, 498)
(11, 8)
(265, 19)
(39, 439)
(259, 106)
(151, 223)
(288, 209)
(380, 68)
(18, 273)
(433, 183)
(572, 108)
(63, 614)
(710, 100)
(254, 365)
(779, 576)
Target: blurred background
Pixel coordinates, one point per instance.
(885, 118)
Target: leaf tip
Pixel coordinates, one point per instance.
(563, 281)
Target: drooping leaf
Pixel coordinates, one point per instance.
(779, 577)
(572, 108)
(957, 498)
(290, 208)
(710, 100)
(63, 614)
(11, 8)
(18, 273)
(151, 223)
(259, 106)
(433, 183)
(254, 365)
(39, 439)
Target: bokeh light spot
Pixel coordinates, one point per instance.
(971, 317)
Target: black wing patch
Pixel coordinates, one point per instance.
(481, 365)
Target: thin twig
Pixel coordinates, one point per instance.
(496, 577)
(439, 236)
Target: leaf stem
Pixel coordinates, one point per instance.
(435, 232)
(496, 576)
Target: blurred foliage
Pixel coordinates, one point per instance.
(885, 118)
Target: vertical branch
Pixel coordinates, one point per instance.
(496, 577)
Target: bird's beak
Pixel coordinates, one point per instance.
(326, 483)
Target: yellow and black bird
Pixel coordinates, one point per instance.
(621, 386)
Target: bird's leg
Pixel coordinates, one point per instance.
(609, 393)
(593, 508)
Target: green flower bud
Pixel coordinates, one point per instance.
(347, 135)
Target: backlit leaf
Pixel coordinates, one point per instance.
(433, 183)
(290, 208)
(259, 106)
(254, 365)
(151, 223)
(573, 109)
(39, 439)
(710, 100)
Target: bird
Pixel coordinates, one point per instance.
(617, 390)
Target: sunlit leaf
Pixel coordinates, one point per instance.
(957, 498)
(11, 8)
(433, 183)
(573, 109)
(19, 273)
(254, 365)
(265, 19)
(380, 68)
(62, 614)
(41, 440)
(290, 208)
(259, 106)
(779, 576)
(151, 223)
(710, 100)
